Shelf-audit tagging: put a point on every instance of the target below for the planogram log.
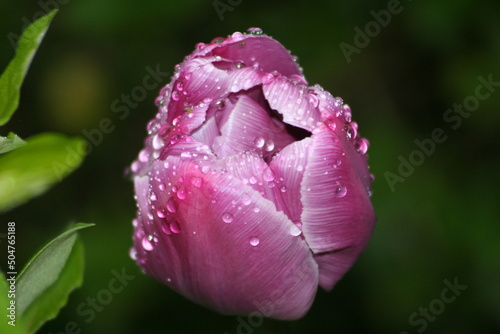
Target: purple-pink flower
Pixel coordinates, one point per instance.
(253, 188)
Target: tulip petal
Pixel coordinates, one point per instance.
(236, 261)
(288, 167)
(262, 52)
(292, 101)
(337, 215)
(249, 127)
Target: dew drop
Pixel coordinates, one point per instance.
(143, 156)
(259, 142)
(165, 227)
(160, 213)
(269, 174)
(313, 99)
(220, 104)
(331, 124)
(181, 192)
(256, 209)
(153, 197)
(267, 78)
(295, 231)
(196, 181)
(363, 145)
(340, 190)
(158, 142)
(252, 180)
(171, 205)
(337, 163)
(200, 46)
(146, 243)
(161, 186)
(227, 217)
(180, 86)
(269, 145)
(283, 189)
(254, 31)
(135, 166)
(175, 95)
(254, 241)
(245, 199)
(133, 253)
(175, 228)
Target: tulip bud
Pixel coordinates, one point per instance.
(253, 188)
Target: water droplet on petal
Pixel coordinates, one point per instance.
(200, 46)
(161, 186)
(269, 174)
(146, 243)
(171, 205)
(267, 78)
(252, 180)
(294, 230)
(175, 95)
(220, 104)
(160, 213)
(313, 99)
(133, 253)
(245, 199)
(363, 145)
(227, 217)
(158, 142)
(181, 192)
(283, 189)
(259, 142)
(254, 241)
(254, 31)
(143, 156)
(337, 163)
(269, 145)
(175, 228)
(180, 86)
(165, 227)
(256, 209)
(340, 190)
(331, 124)
(196, 181)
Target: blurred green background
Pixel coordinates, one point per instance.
(441, 223)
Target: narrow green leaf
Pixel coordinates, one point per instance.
(11, 142)
(12, 79)
(45, 282)
(33, 168)
(5, 327)
(48, 304)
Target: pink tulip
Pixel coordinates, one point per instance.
(253, 188)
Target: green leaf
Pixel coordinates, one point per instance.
(4, 304)
(11, 142)
(46, 281)
(12, 79)
(31, 169)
